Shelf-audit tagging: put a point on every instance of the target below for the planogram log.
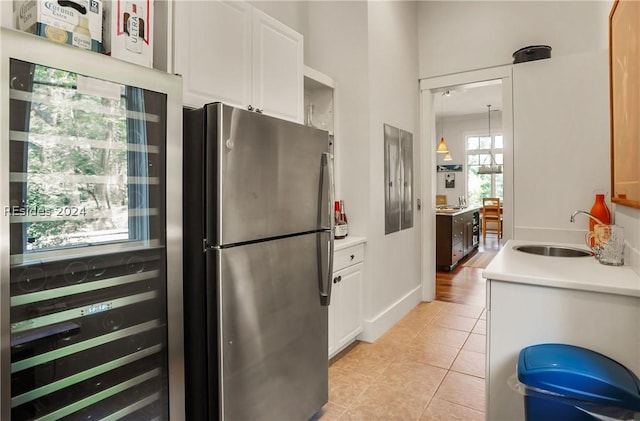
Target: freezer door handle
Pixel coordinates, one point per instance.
(326, 187)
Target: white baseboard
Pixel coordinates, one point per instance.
(378, 325)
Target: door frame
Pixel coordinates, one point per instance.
(428, 87)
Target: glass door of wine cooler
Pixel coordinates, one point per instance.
(87, 218)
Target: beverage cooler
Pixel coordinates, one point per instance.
(90, 236)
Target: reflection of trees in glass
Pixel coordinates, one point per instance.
(77, 158)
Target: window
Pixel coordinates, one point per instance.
(86, 163)
(483, 150)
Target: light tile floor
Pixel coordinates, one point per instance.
(429, 366)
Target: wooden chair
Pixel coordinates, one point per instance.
(491, 214)
(441, 199)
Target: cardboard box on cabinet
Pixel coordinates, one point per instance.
(128, 31)
(77, 22)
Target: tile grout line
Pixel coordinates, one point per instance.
(450, 370)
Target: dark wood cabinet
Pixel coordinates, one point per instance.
(457, 235)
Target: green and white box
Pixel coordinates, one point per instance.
(77, 22)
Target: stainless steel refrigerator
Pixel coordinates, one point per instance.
(258, 247)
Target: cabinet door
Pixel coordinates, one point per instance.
(212, 51)
(334, 315)
(345, 310)
(350, 318)
(278, 69)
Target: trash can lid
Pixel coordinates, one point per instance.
(579, 373)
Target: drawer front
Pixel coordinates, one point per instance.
(348, 256)
(457, 232)
(457, 252)
(457, 228)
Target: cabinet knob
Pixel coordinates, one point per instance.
(337, 279)
(250, 107)
(353, 256)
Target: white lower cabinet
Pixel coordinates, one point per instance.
(520, 315)
(345, 310)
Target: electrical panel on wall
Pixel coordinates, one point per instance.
(398, 179)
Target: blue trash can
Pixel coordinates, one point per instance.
(570, 383)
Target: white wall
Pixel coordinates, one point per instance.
(6, 14)
(394, 259)
(294, 14)
(370, 50)
(457, 36)
(455, 130)
(337, 45)
(561, 144)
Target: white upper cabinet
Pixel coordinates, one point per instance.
(234, 53)
(278, 68)
(213, 51)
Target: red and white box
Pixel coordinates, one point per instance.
(128, 30)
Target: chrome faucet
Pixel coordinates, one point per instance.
(573, 217)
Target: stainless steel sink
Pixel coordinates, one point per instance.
(557, 251)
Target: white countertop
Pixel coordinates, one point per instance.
(348, 242)
(579, 273)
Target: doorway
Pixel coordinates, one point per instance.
(431, 92)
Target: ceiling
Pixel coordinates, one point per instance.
(468, 99)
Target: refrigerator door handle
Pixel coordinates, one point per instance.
(326, 184)
(325, 279)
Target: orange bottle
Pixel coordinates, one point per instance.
(600, 211)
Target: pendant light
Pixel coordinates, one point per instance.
(492, 168)
(447, 157)
(442, 147)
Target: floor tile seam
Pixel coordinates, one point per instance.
(367, 375)
(455, 403)
(465, 373)
(432, 343)
(377, 382)
(414, 334)
(344, 411)
(421, 330)
(353, 402)
(426, 407)
(471, 350)
(463, 315)
(477, 307)
(434, 365)
(461, 404)
(350, 372)
(431, 365)
(457, 330)
(438, 389)
(476, 318)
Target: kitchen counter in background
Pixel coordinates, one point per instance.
(455, 212)
(457, 235)
(533, 299)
